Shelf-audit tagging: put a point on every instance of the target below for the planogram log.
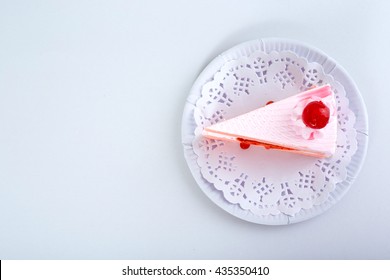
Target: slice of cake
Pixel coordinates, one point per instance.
(305, 123)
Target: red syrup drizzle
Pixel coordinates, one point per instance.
(316, 115)
(265, 145)
(244, 143)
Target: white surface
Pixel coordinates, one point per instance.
(78, 129)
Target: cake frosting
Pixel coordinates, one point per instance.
(305, 123)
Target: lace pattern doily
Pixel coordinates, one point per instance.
(269, 182)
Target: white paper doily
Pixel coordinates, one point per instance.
(271, 187)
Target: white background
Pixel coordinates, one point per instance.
(91, 100)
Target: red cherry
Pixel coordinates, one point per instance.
(316, 115)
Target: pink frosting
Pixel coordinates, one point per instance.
(299, 126)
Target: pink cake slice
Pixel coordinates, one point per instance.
(305, 123)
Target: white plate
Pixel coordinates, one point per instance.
(312, 55)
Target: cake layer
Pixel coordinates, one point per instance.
(280, 126)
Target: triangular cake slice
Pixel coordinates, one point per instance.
(305, 123)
